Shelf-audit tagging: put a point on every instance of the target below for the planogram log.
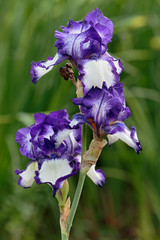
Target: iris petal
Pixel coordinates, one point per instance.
(96, 72)
(54, 172)
(116, 62)
(38, 69)
(97, 176)
(119, 130)
(102, 25)
(101, 107)
(23, 137)
(27, 176)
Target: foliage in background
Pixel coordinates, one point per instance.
(128, 207)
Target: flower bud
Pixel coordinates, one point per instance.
(62, 194)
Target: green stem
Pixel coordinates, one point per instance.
(84, 139)
(64, 236)
(75, 201)
(80, 183)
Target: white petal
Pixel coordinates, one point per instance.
(126, 135)
(78, 119)
(97, 72)
(97, 176)
(39, 69)
(117, 66)
(49, 132)
(62, 135)
(52, 170)
(27, 176)
(112, 138)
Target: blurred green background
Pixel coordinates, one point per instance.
(128, 207)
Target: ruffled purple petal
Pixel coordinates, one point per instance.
(67, 38)
(116, 62)
(101, 107)
(81, 40)
(55, 171)
(48, 136)
(73, 143)
(119, 130)
(47, 125)
(38, 69)
(65, 42)
(79, 46)
(39, 117)
(97, 176)
(86, 44)
(58, 118)
(102, 25)
(27, 176)
(41, 140)
(23, 137)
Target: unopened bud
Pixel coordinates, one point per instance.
(62, 194)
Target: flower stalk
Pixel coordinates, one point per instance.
(75, 200)
(80, 183)
(63, 219)
(91, 156)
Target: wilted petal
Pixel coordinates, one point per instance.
(27, 176)
(119, 130)
(97, 176)
(38, 69)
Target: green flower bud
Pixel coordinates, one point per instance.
(62, 194)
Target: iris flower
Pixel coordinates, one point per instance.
(53, 144)
(105, 110)
(84, 43)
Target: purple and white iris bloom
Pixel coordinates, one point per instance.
(53, 144)
(84, 43)
(54, 147)
(105, 110)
